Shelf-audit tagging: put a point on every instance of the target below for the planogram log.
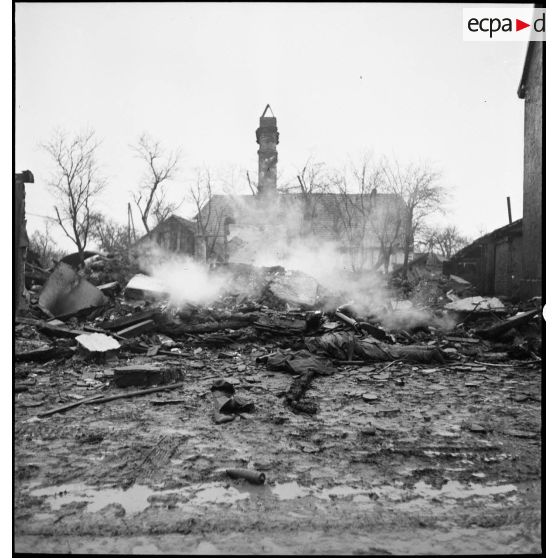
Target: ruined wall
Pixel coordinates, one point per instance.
(20, 240)
(532, 174)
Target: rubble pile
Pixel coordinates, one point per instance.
(282, 319)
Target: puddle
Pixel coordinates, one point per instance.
(218, 494)
(132, 500)
(290, 491)
(454, 489)
(339, 491)
(451, 490)
(137, 498)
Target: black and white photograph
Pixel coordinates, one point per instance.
(279, 278)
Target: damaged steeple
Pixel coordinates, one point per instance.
(267, 137)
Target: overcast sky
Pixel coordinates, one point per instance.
(342, 79)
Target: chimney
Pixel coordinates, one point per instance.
(267, 137)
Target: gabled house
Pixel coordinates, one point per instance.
(174, 234)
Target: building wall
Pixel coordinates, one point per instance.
(532, 176)
(494, 263)
(508, 266)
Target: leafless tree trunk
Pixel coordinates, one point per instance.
(151, 199)
(209, 222)
(418, 186)
(353, 207)
(310, 181)
(75, 181)
(387, 222)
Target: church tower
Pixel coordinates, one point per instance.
(267, 137)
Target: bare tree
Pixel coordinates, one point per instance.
(419, 188)
(209, 220)
(426, 239)
(387, 224)
(43, 248)
(446, 240)
(110, 235)
(358, 218)
(75, 181)
(151, 199)
(310, 180)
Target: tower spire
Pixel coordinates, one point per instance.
(267, 137)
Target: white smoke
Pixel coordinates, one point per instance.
(268, 233)
(185, 279)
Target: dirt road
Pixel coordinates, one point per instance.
(412, 459)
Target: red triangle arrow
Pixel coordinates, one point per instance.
(519, 25)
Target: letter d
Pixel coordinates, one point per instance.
(538, 25)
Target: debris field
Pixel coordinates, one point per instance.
(280, 418)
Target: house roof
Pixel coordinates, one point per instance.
(190, 225)
(186, 222)
(515, 228)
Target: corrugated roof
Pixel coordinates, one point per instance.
(512, 228)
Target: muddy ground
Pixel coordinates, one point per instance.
(431, 460)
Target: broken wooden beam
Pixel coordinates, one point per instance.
(137, 329)
(506, 325)
(101, 399)
(205, 327)
(43, 355)
(110, 288)
(126, 321)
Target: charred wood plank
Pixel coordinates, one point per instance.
(126, 321)
(506, 325)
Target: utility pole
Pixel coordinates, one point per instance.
(131, 227)
(509, 210)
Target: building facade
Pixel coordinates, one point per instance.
(531, 91)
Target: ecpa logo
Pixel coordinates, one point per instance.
(504, 24)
